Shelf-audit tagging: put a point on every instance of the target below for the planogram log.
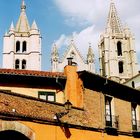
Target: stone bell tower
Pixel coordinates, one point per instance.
(117, 53)
(22, 44)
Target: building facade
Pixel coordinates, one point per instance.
(58, 63)
(22, 44)
(133, 82)
(117, 53)
(99, 109)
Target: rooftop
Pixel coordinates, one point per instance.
(32, 73)
(37, 110)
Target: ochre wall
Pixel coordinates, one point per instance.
(34, 92)
(50, 132)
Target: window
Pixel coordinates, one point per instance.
(17, 63)
(23, 64)
(72, 54)
(134, 118)
(24, 44)
(17, 46)
(120, 64)
(133, 84)
(108, 114)
(119, 48)
(49, 96)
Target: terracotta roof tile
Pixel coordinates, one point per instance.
(29, 107)
(32, 73)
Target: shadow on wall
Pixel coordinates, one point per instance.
(66, 131)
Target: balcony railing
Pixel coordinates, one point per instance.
(112, 121)
(135, 125)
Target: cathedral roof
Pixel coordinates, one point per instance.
(72, 49)
(22, 24)
(113, 23)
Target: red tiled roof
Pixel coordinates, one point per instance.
(30, 107)
(32, 73)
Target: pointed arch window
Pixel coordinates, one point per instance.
(120, 65)
(133, 84)
(23, 64)
(24, 46)
(119, 48)
(17, 64)
(17, 46)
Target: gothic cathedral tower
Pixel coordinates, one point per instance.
(22, 44)
(117, 54)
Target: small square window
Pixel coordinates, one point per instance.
(42, 96)
(48, 96)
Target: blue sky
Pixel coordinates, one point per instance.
(59, 20)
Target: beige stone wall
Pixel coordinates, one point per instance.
(94, 105)
(34, 92)
(123, 110)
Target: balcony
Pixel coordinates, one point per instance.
(112, 124)
(136, 128)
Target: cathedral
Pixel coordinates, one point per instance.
(117, 55)
(77, 59)
(22, 44)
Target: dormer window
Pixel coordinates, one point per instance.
(48, 96)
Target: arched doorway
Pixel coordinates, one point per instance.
(12, 135)
(16, 129)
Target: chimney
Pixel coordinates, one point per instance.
(73, 90)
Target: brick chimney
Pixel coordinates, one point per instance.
(74, 88)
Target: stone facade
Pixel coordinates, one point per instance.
(134, 82)
(94, 104)
(17, 126)
(58, 63)
(22, 45)
(117, 53)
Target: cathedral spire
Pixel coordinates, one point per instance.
(55, 54)
(34, 26)
(23, 6)
(54, 58)
(90, 59)
(113, 22)
(12, 27)
(22, 24)
(90, 55)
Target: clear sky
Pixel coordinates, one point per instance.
(59, 20)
